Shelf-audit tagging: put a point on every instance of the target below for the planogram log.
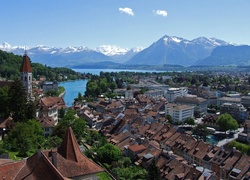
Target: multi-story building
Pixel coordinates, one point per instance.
(179, 112)
(228, 100)
(49, 106)
(200, 104)
(172, 93)
(237, 111)
(155, 93)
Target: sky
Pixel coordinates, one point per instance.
(125, 23)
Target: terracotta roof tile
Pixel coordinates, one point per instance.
(39, 167)
(9, 169)
(137, 148)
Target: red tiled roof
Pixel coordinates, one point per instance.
(9, 170)
(26, 67)
(71, 161)
(137, 148)
(39, 168)
(50, 102)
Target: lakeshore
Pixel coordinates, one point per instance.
(72, 88)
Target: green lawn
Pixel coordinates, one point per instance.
(104, 176)
(13, 155)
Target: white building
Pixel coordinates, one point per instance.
(179, 112)
(172, 93)
(200, 104)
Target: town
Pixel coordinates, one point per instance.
(151, 119)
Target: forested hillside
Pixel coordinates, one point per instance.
(10, 65)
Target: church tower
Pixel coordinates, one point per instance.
(26, 75)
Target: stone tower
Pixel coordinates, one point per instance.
(26, 75)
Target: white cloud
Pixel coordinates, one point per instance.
(160, 12)
(127, 10)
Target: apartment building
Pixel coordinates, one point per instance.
(200, 104)
(237, 111)
(172, 93)
(179, 112)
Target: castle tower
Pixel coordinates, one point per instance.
(26, 75)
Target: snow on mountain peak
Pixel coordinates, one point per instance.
(5, 45)
(168, 39)
(72, 49)
(110, 50)
(137, 49)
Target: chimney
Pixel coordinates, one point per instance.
(39, 152)
(54, 158)
(234, 149)
(194, 175)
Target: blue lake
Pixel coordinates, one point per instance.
(72, 89)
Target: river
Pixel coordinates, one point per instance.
(72, 88)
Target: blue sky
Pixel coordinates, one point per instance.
(126, 23)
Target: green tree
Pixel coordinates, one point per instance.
(169, 118)
(61, 113)
(78, 125)
(24, 137)
(201, 131)
(30, 110)
(112, 86)
(109, 153)
(52, 142)
(18, 101)
(4, 108)
(79, 98)
(129, 173)
(95, 139)
(153, 171)
(227, 122)
(190, 121)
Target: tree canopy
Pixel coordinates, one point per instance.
(109, 153)
(24, 138)
(10, 65)
(201, 131)
(4, 108)
(78, 125)
(227, 122)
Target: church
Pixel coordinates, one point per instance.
(26, 75)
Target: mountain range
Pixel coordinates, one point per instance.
(170, 50)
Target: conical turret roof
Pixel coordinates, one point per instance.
(26, 67)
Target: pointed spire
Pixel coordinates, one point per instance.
(69, 148)
(26, 67)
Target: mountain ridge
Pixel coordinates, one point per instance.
(170, 50)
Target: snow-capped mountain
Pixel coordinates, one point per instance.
(117, 53)
(167, 50)
(54, 56)
(177, 51)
